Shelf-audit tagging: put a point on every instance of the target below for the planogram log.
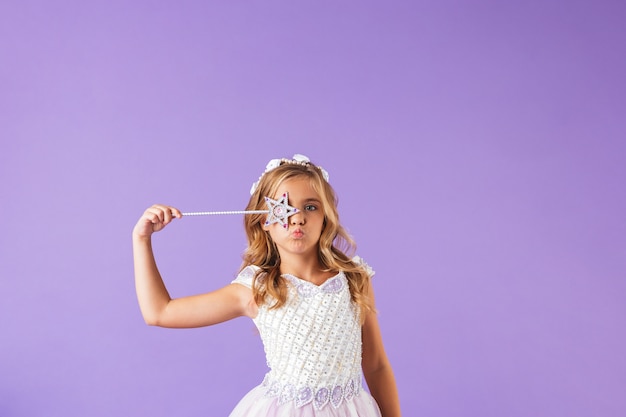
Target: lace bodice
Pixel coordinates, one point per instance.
(312, 343)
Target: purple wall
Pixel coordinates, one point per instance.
(477, 148)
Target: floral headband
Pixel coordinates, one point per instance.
(298, 159)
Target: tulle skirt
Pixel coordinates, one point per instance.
(257, 404)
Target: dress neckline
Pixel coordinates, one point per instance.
(300, 280)
(333, 285)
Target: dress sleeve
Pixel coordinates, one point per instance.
(246, 276)
(359, 261)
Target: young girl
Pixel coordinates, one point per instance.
(312, 303)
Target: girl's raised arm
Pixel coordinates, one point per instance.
(157, 307)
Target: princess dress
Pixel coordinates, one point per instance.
(313, 349)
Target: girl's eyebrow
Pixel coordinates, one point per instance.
(312, 200)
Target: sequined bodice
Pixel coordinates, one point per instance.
(312, 343)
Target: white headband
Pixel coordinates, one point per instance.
(298, 159)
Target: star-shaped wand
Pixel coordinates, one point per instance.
(277, 211)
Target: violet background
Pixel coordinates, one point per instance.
(477, 148)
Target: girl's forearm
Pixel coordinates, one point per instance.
(382, 385)
(152, 294)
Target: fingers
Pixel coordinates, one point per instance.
(155, 218)
(161, 214)
(176, 213)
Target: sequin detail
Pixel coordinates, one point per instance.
(312, 343)
(308, 289)
(304, 395)
(336, 396)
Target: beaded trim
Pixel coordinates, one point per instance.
(307, 289)
(297, 159)
(302, 396)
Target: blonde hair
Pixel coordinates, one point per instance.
(335, 246)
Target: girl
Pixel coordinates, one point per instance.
(312, 303)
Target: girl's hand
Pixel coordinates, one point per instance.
(155, 219)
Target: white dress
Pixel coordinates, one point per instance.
(313, 350)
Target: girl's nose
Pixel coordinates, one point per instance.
(297, 218)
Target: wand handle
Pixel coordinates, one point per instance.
(278, 211)
(213, 213)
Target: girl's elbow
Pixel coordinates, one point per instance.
(152, 319)
(151, 322)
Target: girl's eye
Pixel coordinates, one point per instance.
(310, 207)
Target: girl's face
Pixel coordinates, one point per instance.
(305, 227)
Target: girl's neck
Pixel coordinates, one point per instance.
(305, 268)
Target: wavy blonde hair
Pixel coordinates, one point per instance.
(335, 246)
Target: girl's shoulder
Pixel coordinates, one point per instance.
(246, 276)
(361, 262)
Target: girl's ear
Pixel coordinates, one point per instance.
(264, 225)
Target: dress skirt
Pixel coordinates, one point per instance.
(257, 404)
